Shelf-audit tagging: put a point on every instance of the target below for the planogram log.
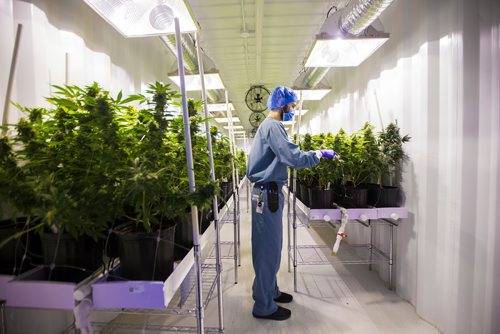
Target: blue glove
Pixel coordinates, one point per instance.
(329, 154)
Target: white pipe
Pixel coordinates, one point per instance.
(362, 15)
(340, 234)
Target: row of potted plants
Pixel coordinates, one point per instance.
(99, 173)
(366, 172)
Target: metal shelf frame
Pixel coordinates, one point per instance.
(367, 217)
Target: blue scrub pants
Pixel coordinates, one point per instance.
(267, 240)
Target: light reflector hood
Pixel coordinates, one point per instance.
(343, 52)
(335, 48)
(193, 81)
(138, 18)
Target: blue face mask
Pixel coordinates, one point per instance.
(288, 116)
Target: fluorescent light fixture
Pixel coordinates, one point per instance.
(288, 123)
(226, 120)
(236, 132)
(138, 18)
(311, 94)
(219, 106)
(343, 52)
(193, 81)
(234, 127)
(334, 47)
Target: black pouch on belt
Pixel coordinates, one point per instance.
(272, 196)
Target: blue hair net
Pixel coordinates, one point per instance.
(281, 96)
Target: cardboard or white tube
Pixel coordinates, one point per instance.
(82, 316)
(82, 292)
(340, 234)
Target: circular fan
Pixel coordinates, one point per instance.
(256, 98)
(256, 118)
(161, 17)
(253, 132)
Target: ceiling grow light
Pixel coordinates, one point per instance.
(335, 48)
(311, 95)
(139, 18)
(193, 81)
(226, 120)
(234, 127)
(219, 106)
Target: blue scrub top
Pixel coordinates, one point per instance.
(272, 153)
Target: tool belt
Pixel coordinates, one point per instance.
(272, 189)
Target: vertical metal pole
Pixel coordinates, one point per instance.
(295, 204)
(248, 181)
(372, 226)
(66, 68)
(215, 206)
(238, 225)
(235, 222)
(190, 168)
(289, 246)
(391, 249)
(3, 324)
(5, 116)
(291, 183)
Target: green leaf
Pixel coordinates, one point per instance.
(135, 97)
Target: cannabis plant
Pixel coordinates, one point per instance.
(391, 145)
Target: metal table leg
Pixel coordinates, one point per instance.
(372, 226)
(288, 230)
(391, 248)
(3, 325)
(235, 227)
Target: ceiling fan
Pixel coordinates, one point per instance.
(256, 98)
(256, 118)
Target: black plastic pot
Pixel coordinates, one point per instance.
(144, 257)
(112, 244)
(389, 197)
(224, 189)
(316, 198)
(304, 194)
(183, 237)
(205, 218)
(329, 198)
(298, 192)
(373, 193)
(58, 274)
(83, 252)
(11, 254)
(321, 198)
(354, 197)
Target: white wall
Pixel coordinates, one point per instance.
(66, 42)
(439, 76)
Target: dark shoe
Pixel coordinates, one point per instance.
(284, 298)
(280, 314)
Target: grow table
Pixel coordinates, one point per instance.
(176, 296)
(369, 254)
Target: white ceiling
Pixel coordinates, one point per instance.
(280, 33)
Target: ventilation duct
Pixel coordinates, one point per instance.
(189, 58)
(362, 15)
(353, 21)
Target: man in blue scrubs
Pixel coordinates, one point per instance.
(269, 158)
